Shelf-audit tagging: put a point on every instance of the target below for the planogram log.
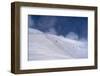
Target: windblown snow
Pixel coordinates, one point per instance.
(44, 46)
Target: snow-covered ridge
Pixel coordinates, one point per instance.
(43, 46)
(34, 31)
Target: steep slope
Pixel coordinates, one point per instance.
(47, 46)
(42, 48)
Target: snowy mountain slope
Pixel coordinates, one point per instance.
(42, 48)
(47, 46)
(76, 49)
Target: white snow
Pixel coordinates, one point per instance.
(43, 46)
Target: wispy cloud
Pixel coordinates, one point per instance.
(43, 23)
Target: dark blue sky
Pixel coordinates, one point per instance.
(60, 25)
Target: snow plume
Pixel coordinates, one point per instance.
(72, 35)
(46, 22)
(52, 31)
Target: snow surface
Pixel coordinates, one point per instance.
(44, 46)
